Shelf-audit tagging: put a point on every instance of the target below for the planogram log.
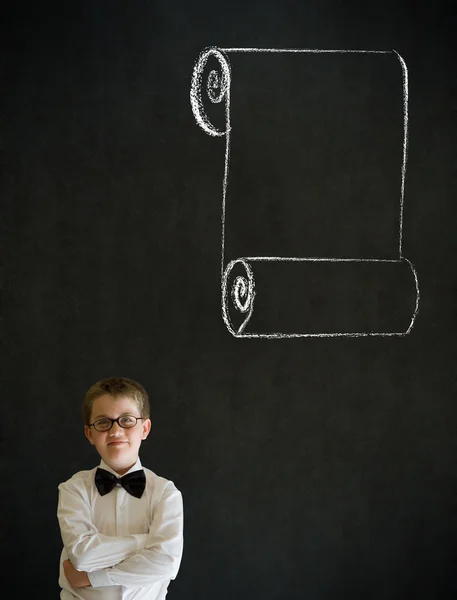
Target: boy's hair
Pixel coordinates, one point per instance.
(116, 386)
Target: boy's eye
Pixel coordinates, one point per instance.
(102, 423)
(127, 420)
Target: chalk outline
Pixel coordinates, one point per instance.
(248, 287)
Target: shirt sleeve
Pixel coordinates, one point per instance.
(86, 548)
(160, 558)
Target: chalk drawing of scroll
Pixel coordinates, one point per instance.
(312, 190)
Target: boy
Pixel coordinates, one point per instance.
(121, 525)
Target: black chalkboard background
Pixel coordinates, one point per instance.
(310, 468)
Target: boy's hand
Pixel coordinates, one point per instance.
(77, 579)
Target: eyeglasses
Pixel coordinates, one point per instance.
(125, 421)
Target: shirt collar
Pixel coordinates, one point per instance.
(136, 467)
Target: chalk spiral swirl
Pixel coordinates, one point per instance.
(217, 89)
(238, 295)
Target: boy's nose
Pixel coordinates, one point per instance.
(115, 429)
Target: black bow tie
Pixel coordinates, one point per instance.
(134, 482)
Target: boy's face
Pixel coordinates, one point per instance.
(119, 446)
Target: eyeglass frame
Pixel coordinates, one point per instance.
(115, 421)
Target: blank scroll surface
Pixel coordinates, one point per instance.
(313, 165)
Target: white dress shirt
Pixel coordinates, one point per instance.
(130, 547)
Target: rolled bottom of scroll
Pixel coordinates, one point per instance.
(319, 297)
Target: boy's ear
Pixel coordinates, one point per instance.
(146, 428)
(88, 434)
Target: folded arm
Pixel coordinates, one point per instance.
(160, 557)
(87, 549)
